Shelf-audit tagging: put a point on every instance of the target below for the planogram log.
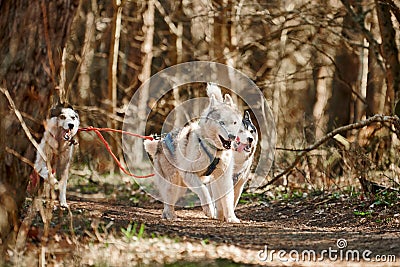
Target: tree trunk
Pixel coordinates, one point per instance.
(375, 79)
(33, 35)
(113, 58)
(345, 81)
(220, 32)
(147, 50)
(84, 79)
(391, 55)
(220, 43)
(113, 68)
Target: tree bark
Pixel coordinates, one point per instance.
(147, 59)
(33, 35)
(375, 80)
(113, 68)
(113, 58)
(391, 55)
(85, 65)
(345, 80)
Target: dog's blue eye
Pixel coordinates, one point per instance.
(222, 123)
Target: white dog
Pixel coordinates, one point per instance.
(184, 157)
(57, 144)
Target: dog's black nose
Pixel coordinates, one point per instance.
(71, 126)
(231, 137)
(249, 139)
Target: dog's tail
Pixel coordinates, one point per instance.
(151, 146)
(213, 89)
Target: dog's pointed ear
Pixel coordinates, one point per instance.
(55, 112)
(213, 101)
(246, 116)
(213, 89)
(228, 100)
(66, 105)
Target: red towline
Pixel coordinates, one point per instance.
(98, 132)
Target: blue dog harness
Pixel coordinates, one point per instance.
(169, 142)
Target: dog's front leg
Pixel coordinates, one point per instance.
(238, 189)
(48, 144)
(63, 189)
(40, 163)
(219, 209)
(223, 194)
(217, 204)
(63, 172)
(193, 182)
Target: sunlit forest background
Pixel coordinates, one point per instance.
(321, 64)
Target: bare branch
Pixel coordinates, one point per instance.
(22, 122)
(394, 8)
(393, 120)
(167, 19)
(104, 112)
(19, 156)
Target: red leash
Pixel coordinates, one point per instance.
(98, 130)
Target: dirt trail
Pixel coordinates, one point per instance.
(343, 226)
(307, 224)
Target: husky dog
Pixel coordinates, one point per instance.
(57, 144)
(184, 157)
(244, 149)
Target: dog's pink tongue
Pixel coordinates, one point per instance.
(241, 147)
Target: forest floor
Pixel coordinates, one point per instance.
(109, 230)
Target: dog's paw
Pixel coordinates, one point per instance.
(209, 211)
(168, 215)
(233, 220)
(64, 205)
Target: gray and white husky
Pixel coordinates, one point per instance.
(200, 150)
(244, 148)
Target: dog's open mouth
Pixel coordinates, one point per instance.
(240, 147)
(67, 135)
(225, 143)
